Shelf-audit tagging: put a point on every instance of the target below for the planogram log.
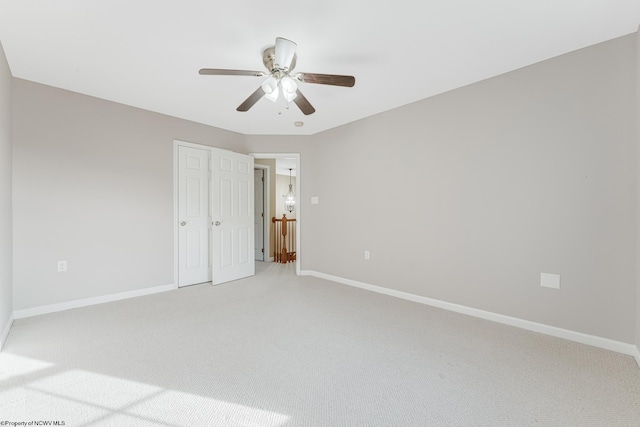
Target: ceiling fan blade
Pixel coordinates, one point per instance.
(284, 52)
(327, 79)
(251, 100)
(221, 72)
(303, 103)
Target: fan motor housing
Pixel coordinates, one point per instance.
(269, 57)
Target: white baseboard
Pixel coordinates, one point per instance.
(604, 343)
(5, 331)
(636, 354)
(52, 308)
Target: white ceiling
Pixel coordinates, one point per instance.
(147, 53)
(283, 164)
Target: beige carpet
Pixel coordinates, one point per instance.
(281, 350)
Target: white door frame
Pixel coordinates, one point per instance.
(267, 208)
(298, 198)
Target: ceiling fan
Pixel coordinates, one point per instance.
(280, 60)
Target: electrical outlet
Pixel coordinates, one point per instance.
(366, 254)
(62, 266)
(550, 280)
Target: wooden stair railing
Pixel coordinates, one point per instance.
(284, 239)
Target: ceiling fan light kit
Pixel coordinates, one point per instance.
(270, 87)
(289, 88)
(280, 60)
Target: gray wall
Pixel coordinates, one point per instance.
(468, 196)
(93, 185)
(6, 257)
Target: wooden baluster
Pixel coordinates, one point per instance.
(293, 242)
(276, 239)
(291, 246)
(279, 236)
(284, 256)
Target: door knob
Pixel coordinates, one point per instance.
(183, 223)
(217, 223)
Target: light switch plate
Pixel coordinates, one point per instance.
(550, 280)
(314, 200)
(62, 266)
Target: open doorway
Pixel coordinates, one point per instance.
(283, 168)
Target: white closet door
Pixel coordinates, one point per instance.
(194, 216)
(232, 199)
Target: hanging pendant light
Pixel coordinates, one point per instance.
(290, 198)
